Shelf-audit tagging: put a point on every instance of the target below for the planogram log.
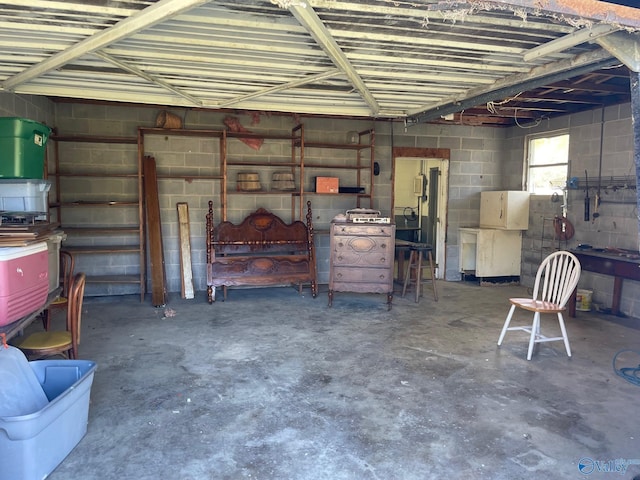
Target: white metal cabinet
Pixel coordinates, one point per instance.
(507, 210)
(490, 252)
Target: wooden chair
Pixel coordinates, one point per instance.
(64, 342)
(66, 275)
(556, 279)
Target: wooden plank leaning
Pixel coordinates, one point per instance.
(154, 233)
(185, 250)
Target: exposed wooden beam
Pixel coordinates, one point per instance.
(513, 84)
(571, 99)
(589, 87)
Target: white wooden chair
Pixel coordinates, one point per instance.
(556, 279)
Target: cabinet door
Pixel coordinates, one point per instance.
(468, 248)
(498, 253)
(507, 210)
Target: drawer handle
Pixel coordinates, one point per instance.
(383, 260)
(383, 245)
(339, 257)
(381, 277)
(341, 244)
(339, 275)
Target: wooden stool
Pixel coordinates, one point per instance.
(415, 267)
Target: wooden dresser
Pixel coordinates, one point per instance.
(361, 258)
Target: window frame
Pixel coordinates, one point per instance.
(527, 157)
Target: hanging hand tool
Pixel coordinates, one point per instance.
(587, 201)
(596, 204)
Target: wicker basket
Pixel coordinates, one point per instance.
(248, 182)
(168, 120)
(283, 181)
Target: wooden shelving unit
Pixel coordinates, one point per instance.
(362, 164)
(128, 237)
(278, 160)
(81, 189)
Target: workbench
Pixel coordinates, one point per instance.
(619, 264)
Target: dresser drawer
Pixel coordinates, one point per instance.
(363, 287)
(362, 251)
(353, 276)
(363, 229)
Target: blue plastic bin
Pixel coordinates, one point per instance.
(33, 444)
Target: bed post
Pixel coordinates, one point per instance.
(210, 252)
(311, 248)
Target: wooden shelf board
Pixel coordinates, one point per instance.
(96, 204)
(86, 249)
(190, 177)
(132, 279)
(338, 167)
(263, 192)
(340, 146)
(180, 132)
(93, 139)
(102, 230)
(362, 195)
(264, 136)
(263, 164)
(95, 175)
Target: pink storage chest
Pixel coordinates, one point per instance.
(24, 280)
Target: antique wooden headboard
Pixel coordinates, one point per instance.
(261, 250)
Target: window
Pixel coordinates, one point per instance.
(548, 162)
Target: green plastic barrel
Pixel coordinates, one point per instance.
(23, 143)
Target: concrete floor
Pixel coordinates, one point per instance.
(273, 385)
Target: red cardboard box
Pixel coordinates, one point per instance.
(327, 184)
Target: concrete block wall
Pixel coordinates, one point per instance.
(99, 159)
(481, 159)
(476, 164)
(617, 225)
(32, 107)
(178, 156)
